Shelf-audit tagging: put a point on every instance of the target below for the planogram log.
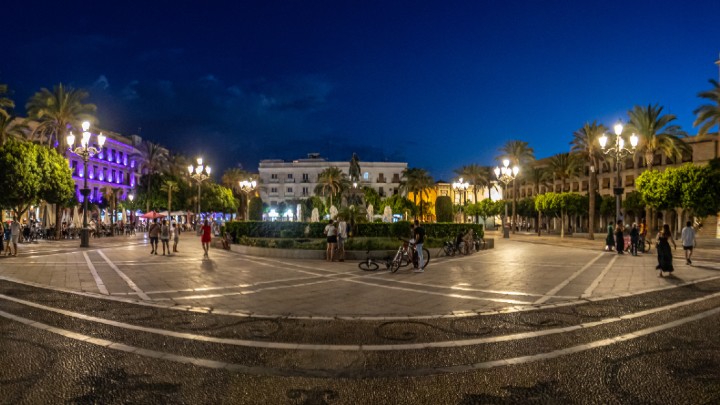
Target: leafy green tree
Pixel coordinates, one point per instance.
(56, 185)
(148, 192)
(398, 204)
(216, 198)
(487, 208)
(520, 154)
(708, 115)
(607, 206)
(559, 204)
(658, 189)
(255, 209)
(20, 176)
(231, 179)
(443, 209)
(371, 197)
(634, 202)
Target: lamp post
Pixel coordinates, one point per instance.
(247, 187)
(620, 152)
(461, 186)
(85, 151)
(505, 175)
(199, 173)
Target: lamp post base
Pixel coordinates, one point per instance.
(85, 237)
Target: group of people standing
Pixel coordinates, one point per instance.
(616, 239)
(11, 237)
(336, 234)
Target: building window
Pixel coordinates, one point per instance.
(381, 191)
(304, 191)
(290, 176)
(366, 176)
(112, 176)
(289, 190)
(274, 176)
(306, 177)
(273, 190)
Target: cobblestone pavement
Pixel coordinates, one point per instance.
(535, 320)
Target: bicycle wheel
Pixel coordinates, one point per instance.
(648, 245)
(426, 257)
(368, 265)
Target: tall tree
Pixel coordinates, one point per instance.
(56, 111)
(11, 127)
(331, 181)
(537, 176)
(154, 158)
(417, 181)
(656, 133)
(478, 176)
(586, 143)
(231, 179)
(521, 154)
(169, 186)
(5, 102)
(708, 115)
(564, 166)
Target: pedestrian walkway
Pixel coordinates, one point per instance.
(523, 272)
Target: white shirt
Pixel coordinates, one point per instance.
(15, 228)
(330, 230)
(342, 229)
(688, 236)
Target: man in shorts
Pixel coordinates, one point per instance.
(154, 234)
(688, 241)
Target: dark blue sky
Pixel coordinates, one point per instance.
(436, 84)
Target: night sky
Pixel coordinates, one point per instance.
(436, 84)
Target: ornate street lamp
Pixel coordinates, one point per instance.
(506, 175)
(461, 186)
(620, 152)
(247, 187)
(85, 151)
(199, 173)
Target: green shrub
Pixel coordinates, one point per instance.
(444, 209)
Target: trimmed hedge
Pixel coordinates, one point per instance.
(278, 229)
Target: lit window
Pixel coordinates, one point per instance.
(366, 176)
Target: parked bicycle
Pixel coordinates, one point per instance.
(406, 254)
(370, 264)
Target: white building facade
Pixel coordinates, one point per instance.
(282, 181)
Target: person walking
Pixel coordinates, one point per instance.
(331, 232)
(620, 237)
(6, 236)
(609, 239)
(206, 237)
(687, 236)
(154, 233)
(419, 240)
(165, 236)
(176, 237)
(634, 239)
(341, 238)
(664, 253)
(15, 231)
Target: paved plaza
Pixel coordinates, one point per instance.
(534, 320)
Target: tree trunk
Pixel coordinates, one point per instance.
(591, 214)
(512, 222)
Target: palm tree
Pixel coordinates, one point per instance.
(11, 127)
(417, 181)
(478, 176)
(55, 111)
(656, 133)
(564, 166)
(231, 179)
(586, 143)
(110, 194)
(520, 154)
(176, 165)
(708, 115)
(537, 176)
(154, 158)
(5, 102)
(170, 186)
(331, 180)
